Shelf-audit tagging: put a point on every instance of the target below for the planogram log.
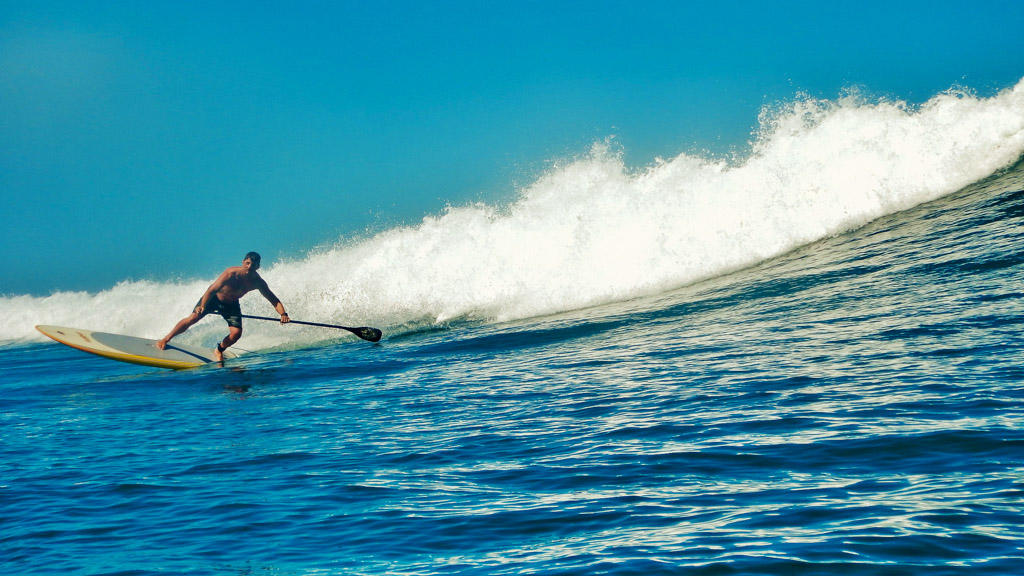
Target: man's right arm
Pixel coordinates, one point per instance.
(213, 289)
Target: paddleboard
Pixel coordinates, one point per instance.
(131, 349)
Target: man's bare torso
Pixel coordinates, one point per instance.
(236, 282)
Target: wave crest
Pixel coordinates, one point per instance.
(591, 231)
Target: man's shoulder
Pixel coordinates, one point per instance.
(251, 277)
(234, 271)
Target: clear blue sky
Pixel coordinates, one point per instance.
(164, 139)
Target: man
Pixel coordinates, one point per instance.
(222, 297)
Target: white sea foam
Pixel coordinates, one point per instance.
(592, 231)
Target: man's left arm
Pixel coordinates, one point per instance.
(275, 301)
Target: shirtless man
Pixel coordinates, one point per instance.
(222, 297)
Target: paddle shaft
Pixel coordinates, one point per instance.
(366, 333)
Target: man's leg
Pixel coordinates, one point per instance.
(234, 333)
(180, 327)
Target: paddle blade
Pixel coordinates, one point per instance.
(367, 333)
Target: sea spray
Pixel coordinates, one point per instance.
(591, 230)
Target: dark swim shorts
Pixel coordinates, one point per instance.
(231, 311)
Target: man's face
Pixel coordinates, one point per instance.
(249, 265)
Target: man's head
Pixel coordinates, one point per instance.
(254, 258)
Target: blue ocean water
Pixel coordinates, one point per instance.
(807, 362)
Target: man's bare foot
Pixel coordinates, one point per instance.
(218, 353)
(161, 344)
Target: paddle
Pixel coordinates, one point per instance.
(365, 332)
